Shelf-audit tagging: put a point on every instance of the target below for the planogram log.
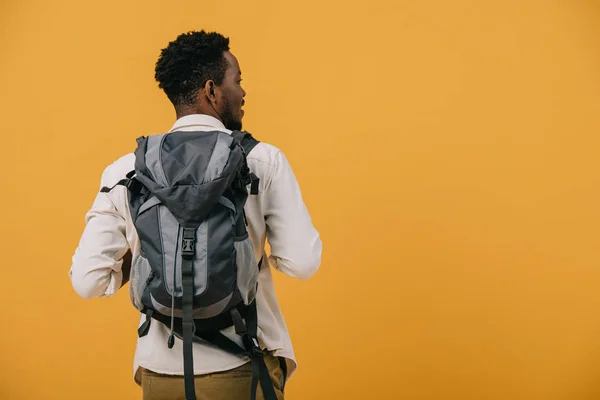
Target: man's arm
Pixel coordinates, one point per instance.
(101, 258)
(295, 243)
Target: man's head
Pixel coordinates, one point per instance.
(199, 75)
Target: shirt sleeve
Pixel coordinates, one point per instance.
(295, 243)
(97, 262)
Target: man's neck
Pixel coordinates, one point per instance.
(183, 111)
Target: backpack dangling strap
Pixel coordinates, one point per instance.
(260, 372)
(254, 181)
(187, 277)
(127, 182)
(122, 182)
(145, 327)
(248, 331)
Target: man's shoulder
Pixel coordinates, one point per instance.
(118, 169)
(265, 153)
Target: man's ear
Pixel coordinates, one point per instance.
(209, 91)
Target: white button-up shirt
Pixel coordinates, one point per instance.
(278, 214)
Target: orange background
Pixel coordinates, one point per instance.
(447, 151)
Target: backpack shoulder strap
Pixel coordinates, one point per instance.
(248, 143)
(246, 139)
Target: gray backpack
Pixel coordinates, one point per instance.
(196, 272)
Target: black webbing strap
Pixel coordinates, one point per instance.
(187, 277)
(284, 369)
(221, 341)
(254, 181)
(247, 141)
(238, 136)
(255, 378)
(260, 372)
(238, 322)
(145, 327)
(122, 182)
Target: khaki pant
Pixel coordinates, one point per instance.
(228, 385)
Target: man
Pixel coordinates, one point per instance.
(202, 79)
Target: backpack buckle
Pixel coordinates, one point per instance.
(188, 243)
(256, 350)
(187, 247)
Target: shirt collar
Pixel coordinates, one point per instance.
(197, 119)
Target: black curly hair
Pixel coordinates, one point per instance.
(188, 62)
